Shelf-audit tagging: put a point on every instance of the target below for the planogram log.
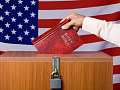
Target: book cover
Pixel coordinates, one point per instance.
(58, 41)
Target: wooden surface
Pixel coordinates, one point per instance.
(79, 71)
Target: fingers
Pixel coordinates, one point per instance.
(68, 25)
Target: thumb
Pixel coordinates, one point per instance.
(67, 25)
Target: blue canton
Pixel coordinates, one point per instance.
(18, 21)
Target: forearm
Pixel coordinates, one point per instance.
(106, 30)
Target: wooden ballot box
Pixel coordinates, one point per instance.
(79, 71)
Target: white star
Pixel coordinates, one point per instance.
(20, 2)
(19, 14)
(13, 19)
(26, 20)
(13, 7)
(1, 6)
(7, 13)
(7, 37)
(32, 14)
(26, 8)
(26, 32)
(1, 18)
(20, 38)
(7, 25)
(20, 26)
(13, 31)
(1, 30)
(33, 27)
(33, 2)
(32, 38)
(7, 1)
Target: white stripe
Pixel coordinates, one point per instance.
(95, 46)
(80, 32)
(57, 0)
(86, 47)
(116, 78)
(116, 60)
(91, 11)
(16, 47)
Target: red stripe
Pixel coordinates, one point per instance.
(109, 17)
(116, 86)
(48, 23)
(53, 5)
(1, 52)
(90, 38)
(116, 69)
(112, 51)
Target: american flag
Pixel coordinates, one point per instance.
(39, 16)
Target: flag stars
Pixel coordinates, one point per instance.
(7, 25)
(13, 31)
(20, 38)
(13, 7)
(33, 2)
(1, 18)
(19, 14)
(32, 14)
(26, 20)
(20, 26)
(13, 19)
(26, 32)
(7, 13)
(7, 37)
(20, 2)
(26, 8)
(1, 6)
(7, 1)
(32, 27)
(32, 38)
(1, 30)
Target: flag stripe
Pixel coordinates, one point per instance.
(116, 86)
(116, 69)
(97, 46)
(116, 60)
(112, 51)
(1, 52)
(116, 78)
(86, 47)
(113, 16)
(50, 23)
(55, 5)
(90, 38)
(16, 47)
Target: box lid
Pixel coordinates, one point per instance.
(33, 56)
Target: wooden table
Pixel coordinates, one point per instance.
(79, 71)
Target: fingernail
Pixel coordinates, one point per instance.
(63, 27)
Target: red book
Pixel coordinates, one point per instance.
(58, 41)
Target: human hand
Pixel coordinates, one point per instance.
(75, 20)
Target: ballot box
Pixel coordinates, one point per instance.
(28, 70)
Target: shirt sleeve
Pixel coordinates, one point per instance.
(109, 31)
